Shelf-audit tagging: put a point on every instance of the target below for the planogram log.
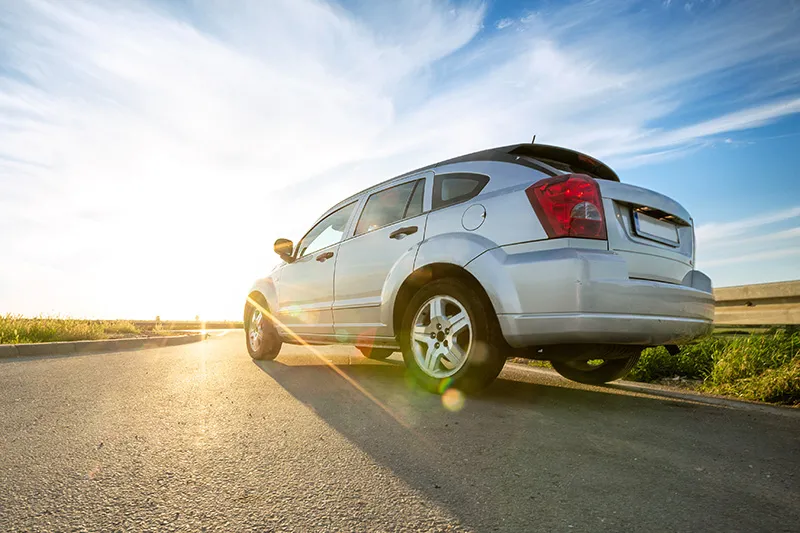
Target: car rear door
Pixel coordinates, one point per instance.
(389, 229)
(305, 287)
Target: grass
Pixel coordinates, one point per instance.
(761, 367)
(16, 329)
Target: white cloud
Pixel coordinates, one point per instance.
(790, 234)
(756, 256)
(504, 23)
(712, 232)
(769, 239)
(150, 154)
(731, 122)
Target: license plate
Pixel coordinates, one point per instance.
(655, 229)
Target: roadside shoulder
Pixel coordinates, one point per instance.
(662, 391)
(105, 345)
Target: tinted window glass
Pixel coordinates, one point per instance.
(385, 207)
(326, 232)
(454, 188)
(415, 204)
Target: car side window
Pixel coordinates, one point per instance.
(415, 203)
(326, 232)
(390, 205)
(449, 189)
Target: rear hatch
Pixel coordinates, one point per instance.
(651, 231)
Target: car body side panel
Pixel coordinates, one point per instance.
(543, 276)
(456, 249)
(507, 218)
(401, 270)
(501, 271)
(363, 265)
(266, 286)
(453, 248)
(507, 213)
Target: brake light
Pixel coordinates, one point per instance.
(569, 206)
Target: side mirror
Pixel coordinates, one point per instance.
(284, 248)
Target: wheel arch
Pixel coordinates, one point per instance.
(255, 296)
(425, 274)
(262, 291)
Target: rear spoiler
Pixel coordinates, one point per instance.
(576, 160)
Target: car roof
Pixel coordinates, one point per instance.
(509, 154)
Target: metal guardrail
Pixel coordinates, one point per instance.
(756, 305)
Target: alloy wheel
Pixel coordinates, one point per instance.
(441, 337)
(256, 330)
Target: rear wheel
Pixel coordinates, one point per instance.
(263, 341)
(378, 354)
(600, 365)
(450, 338)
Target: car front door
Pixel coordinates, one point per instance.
(305, 286)
(391, 225)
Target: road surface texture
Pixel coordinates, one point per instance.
(200, 438)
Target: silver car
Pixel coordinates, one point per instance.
(528, 251)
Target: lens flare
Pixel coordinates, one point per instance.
(330, 365)
(453, 400)
(444, 385)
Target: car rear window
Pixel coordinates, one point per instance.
(563, 167)
(449, 189)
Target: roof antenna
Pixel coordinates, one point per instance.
(533, 140)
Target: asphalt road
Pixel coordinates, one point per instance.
(199, 437)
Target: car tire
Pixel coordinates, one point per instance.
(465, 365)
(261, 335)
(617, 362)
(376, 354)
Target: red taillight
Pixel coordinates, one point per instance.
(569, 206)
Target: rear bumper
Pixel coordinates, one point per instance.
(533, 330)
(574, 295)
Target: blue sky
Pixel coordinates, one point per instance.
(151, 153)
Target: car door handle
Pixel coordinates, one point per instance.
(324, 257)
(402, 232)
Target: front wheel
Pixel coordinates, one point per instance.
(601, 365)
(450, 338)
(263, 341)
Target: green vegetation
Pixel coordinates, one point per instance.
(15, 329)
(762, 367)
(695, 361)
